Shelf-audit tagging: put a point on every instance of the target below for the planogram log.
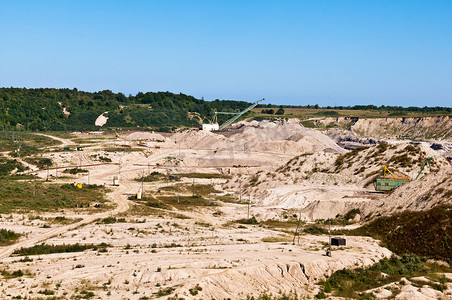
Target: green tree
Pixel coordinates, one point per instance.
(280, 111)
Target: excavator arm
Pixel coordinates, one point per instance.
(384, 172)
(427, 161)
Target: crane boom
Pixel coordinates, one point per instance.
(427, 161)
(384, 172)
(231, 120)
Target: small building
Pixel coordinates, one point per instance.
(209, 127)
(338, 241)
(115, 181)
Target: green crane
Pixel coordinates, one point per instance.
(427, 161)
(237, 115)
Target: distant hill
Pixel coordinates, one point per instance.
(43, 109)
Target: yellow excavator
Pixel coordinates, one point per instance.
(387, 183)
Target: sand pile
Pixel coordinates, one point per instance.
(199, 139)
(264, 136)
(324, 184)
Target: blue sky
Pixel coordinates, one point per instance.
(289, 52)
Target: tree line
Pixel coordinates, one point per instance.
(41, 109)
(425, 109)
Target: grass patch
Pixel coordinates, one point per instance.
(64, 248)
(154, 176)
(29, 143)
(425, 233)
(315, 230)
(40, 162)
(9, 165)
(349, 283)
(112, 220)
(26, 196)
(250, 221)
(185, 202)
(204, 175)
(75, 171)
(280, 224)
(122, 149)
(276, 239)
(14, 274)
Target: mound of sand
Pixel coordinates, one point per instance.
(288, 137)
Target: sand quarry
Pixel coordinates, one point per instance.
(201, 252)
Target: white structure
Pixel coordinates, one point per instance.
(209, 127)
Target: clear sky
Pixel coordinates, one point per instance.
(290, 52)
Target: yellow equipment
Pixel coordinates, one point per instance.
(387, 183)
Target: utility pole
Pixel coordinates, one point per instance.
(328, 253)
(240, 195)
(298, 228)
(142, 185)
(249, 200)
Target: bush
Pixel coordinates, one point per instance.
(194, 290)
(8, 236)
(14, 274)
(347, 283)
(424, 233)
(75, 171)
(111, 220)
(268, 111)
(64, 248)
(250, 221)
(280, 111)
(315, 230)
(165, 291)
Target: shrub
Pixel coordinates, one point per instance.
(111, 220)
(8, 236)
(347, 283)
(64, 248)
(425, 233)
(250, 221)
(165, 291)
(194, 290)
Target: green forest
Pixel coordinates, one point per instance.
(42, 109)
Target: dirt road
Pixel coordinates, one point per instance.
(64, 142)
(117, 196)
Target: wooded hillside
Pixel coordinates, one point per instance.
(42, 109)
